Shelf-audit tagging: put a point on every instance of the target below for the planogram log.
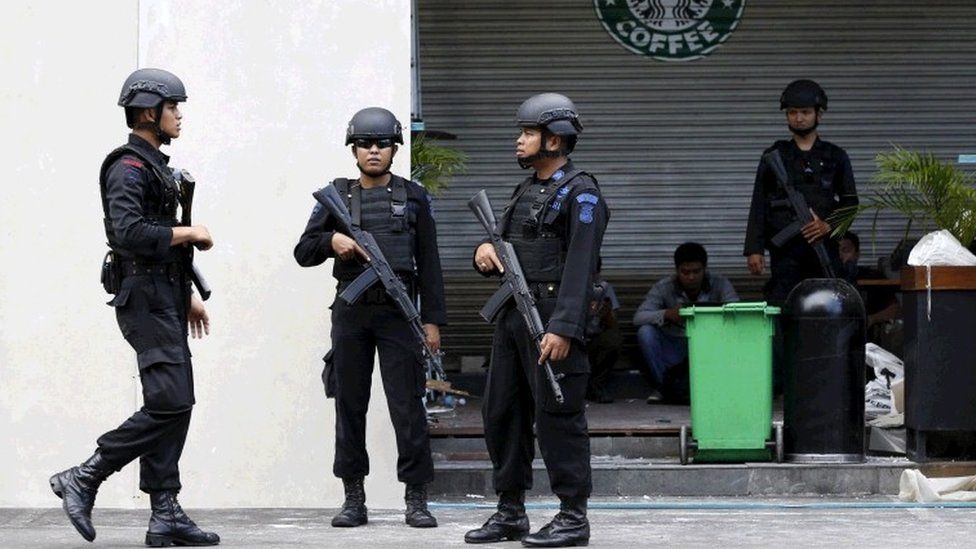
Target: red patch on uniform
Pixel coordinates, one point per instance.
(133, 163)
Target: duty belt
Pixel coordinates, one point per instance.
(130, 268)
(376, 295)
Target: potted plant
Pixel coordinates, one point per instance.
(939, 302)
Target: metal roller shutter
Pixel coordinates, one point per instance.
(675, 145)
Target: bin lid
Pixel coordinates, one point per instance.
(731, 308)
(824, 298)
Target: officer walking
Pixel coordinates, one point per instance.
(821, 172)
(555, 221)
(397, 213)
(149, 273)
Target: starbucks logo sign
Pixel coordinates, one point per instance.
(670, 30)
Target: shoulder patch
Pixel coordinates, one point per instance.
(586, 213)
(588, 198)
(133, 162)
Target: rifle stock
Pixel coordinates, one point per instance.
(187, 185)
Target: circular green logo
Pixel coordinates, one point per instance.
(670, 30)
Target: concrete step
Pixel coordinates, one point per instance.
(615, 476)
(633, 447)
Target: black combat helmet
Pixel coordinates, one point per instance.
(550, 111)
(555, 114)
(803, 93)
(147, 88)
(374, 123)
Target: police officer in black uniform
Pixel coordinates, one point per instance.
(555, 221)
(149, 275)
(397, 212)
(821, 172)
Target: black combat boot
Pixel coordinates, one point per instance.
(569, 528)
(417, 514)
(353, 512)
(509, 523)
(77, 488)
(169, 525)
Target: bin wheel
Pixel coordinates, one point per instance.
(683, 444)
(778, 430)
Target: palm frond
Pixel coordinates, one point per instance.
(431, 164)
(921, 188)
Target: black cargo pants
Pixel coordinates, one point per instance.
(151, 310)
(358, 332)
(517, 396)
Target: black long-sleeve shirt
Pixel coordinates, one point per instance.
(134, 199)
(823, 175)
(315, 246)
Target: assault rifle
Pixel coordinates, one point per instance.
(514, 286)
(377, 270)
(798, 204)
(187, 185)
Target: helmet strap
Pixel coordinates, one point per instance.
(806, 131)
(385, 171)
(543, 152)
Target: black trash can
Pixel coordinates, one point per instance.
(823, 325)
(940, 362)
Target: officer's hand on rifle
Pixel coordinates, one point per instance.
(197, 318)
(816, 229)
(756, 263)
(202, 239)
(486, 260)
(198, 235)
(433, 333)
(345, 247)
(554, 347)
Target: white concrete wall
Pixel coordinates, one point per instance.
(271, 86)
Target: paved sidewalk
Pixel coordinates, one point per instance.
(713, 523)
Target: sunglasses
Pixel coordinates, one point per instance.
(383, 143)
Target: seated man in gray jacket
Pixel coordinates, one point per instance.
(661, 330)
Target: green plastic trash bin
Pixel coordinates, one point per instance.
(730, 359)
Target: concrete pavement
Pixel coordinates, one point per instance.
(672, 522)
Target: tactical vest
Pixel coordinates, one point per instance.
(813, 179)
(540, 244)
(395, 239)
(161, 199)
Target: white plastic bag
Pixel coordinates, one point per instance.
(888, 369)
(940, 248)
(884, 364)
(877, 399)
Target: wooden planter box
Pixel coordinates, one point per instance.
(940, 362)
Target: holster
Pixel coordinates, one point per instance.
(111, 273)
